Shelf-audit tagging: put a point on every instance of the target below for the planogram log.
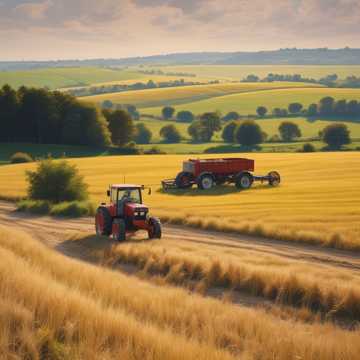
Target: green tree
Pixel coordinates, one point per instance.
(210, 122)
(9, 108)
(261, 111)
(107, 104)
(312, 110)
(170, 134)
(168, 112)
(232, 115)
(289, 131)
(228, 131)
(248, 133)
(336, 135)
(326, 105)
(143, 134)
(56, 181)
(353, 108)
(295, 108)
(121, 127)
(340, 107)
(185, 116)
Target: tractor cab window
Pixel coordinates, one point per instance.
(129, 195)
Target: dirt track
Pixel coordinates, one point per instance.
(55, 232)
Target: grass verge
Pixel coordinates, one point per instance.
(68, 209)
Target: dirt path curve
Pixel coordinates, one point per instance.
(55, 231)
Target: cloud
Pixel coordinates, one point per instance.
(116, 28)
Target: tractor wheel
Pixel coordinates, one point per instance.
(274, 178)
(103, 221)
(183, 180)
(243, 180)
(155, 228)
(119, 232)
(205, 182)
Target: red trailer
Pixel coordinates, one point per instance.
(206, 173)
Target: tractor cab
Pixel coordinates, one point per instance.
(126, 200)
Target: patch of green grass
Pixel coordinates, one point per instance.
(68, 209)
(247, 103)
(65, 77)
(55, 151)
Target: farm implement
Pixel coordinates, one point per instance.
(126, 214)
(207, 173)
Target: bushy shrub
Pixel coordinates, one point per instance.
(308, 148)
(56, 181)
(20, 157)
(228, 131)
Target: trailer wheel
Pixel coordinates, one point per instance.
(119, 230)
(103, 221)
(154, 231)
(183, 180)
(274, 178)
(243, 180)
(205, 182)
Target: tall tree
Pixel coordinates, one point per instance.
(121, 127)
(336, 135)
(289, 131)
(168, 112)
(9, 107)
(249, 133)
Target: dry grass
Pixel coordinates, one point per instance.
(284, 282)
(317, 202)
(58, 306)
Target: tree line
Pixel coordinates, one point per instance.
(331, 80)
(44, 117)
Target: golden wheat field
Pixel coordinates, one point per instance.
(317, 202)
(56, 307)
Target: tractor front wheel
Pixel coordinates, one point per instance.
(119, 230)
(103, 221)
(154, 231)
(243, 180)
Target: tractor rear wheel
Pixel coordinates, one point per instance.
(103, 221)
(183, 180)
(119, 230)
(244, 180)
(274, 178)
(205, 182)
(154, 231)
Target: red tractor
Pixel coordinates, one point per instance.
(206, 173)
(125, 214)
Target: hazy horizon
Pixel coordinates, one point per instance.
(83, 29)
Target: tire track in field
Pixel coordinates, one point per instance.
(55, 232)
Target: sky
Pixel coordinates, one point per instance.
(80, 29)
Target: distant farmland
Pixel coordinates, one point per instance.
(188, 94)
(247, 102)
(65, 77)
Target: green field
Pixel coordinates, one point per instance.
(238, 72)
(66, 77)
(189, 94)
(246, 103)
